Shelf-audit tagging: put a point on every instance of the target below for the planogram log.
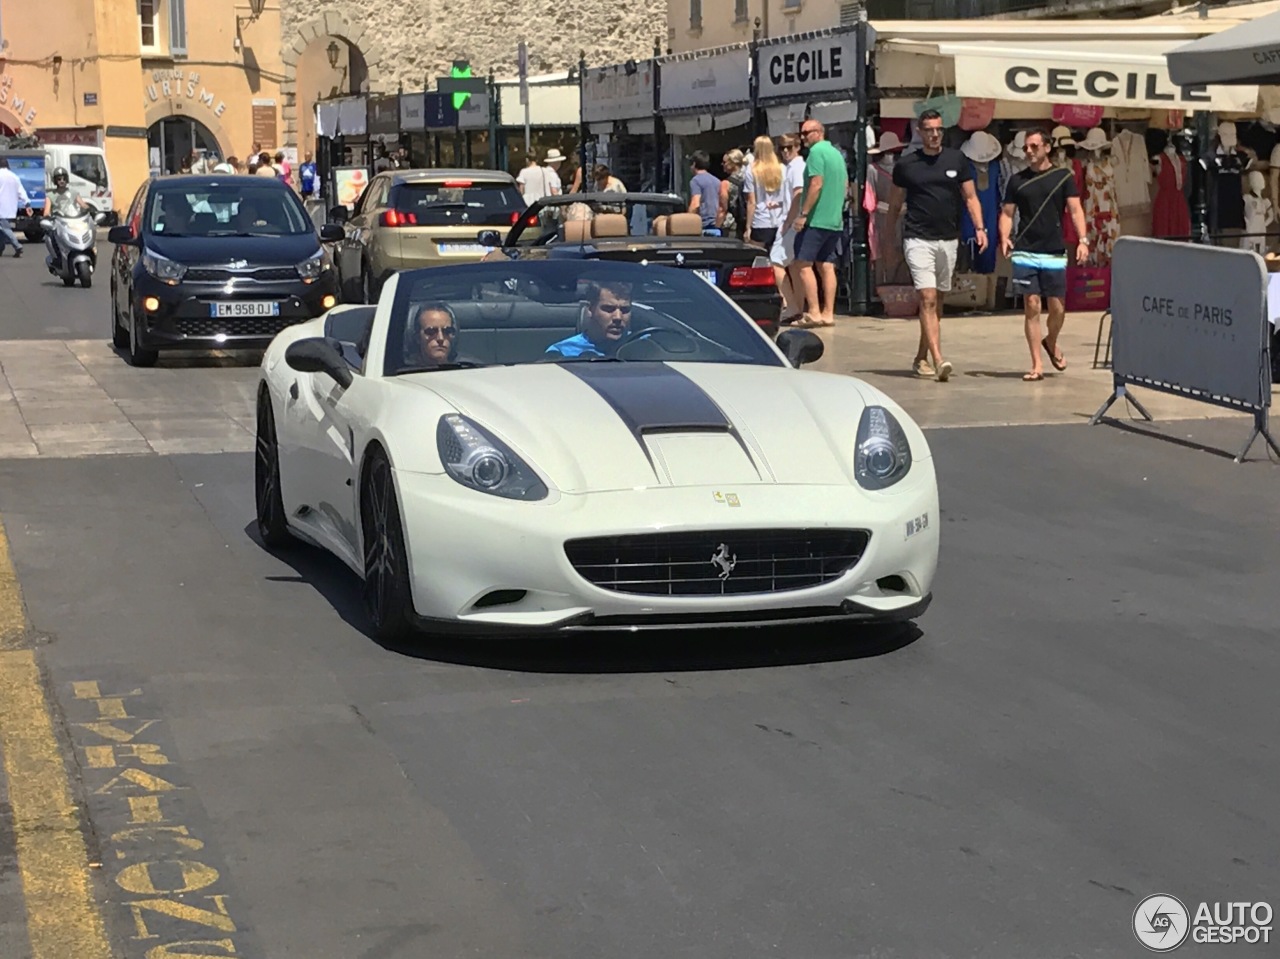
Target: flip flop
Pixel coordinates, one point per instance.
(1032, 377)
(1059, 362)
(809, 322)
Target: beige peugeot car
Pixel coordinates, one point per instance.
(407, 219)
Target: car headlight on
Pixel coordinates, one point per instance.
(883, 455)
(162, 268)
(313, 266)
(483, 462)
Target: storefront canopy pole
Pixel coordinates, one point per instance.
(859, 248)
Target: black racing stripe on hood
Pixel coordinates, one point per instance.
(652, 397)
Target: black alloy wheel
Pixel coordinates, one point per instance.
(272, 526)
(137, 355)
(386, 593)
(119, 335)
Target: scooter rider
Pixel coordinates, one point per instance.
(60, 201)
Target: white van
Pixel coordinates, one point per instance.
(90, 178)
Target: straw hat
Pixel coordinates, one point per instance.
(1095, 139)
(1062, 137)
(981, 147)
(554, 156)
(1017, 145)
(889, 143)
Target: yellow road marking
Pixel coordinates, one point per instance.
(53, 863)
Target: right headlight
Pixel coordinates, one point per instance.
(882, 456)
(483, 462)
(161, 267)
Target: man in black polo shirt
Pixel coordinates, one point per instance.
(933, 182)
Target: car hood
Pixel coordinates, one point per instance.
(254, 250)
(606, 426)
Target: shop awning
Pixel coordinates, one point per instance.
(1109, 73)
(1248, 53)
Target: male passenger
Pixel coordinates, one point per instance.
(607, 321)
(704, 192)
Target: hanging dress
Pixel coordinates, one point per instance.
(1069, 235)
(986, 182)
(1101, 210)
(1170, 216)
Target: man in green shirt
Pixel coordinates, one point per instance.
(820, 224)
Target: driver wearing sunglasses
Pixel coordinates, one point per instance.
(437, 335)
(607, 320)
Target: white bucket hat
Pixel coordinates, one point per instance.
(889, 143)
(1016, 146)
(1062, 137)
(554, 156)
(981, 147)
(1095, 139)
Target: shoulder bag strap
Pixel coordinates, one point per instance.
(1035, 216)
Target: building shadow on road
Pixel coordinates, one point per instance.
(194, 360)
(604, 652)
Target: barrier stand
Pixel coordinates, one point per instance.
(1191, 320)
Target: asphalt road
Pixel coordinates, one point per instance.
(34, 305)
(1086, 715)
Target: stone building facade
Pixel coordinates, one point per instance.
(389, 42)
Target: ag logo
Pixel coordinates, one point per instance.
(1161, 923)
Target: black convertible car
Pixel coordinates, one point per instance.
(643, 228)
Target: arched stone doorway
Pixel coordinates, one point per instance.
(309, 46)
(329, 67)
(172, 139)
(9, 124)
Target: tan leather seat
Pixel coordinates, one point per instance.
(609, 224)
(684, 224)
(577, 231)
(660, 225)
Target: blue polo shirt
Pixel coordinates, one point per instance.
(579, 345)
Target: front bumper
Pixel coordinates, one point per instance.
(466, 546)
(184, 318)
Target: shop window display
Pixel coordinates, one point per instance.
(1101, 208)
(1171, 216)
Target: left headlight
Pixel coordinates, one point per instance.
(483, 462)
(313, 266)
(883, 455)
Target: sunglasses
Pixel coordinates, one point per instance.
(437, 332)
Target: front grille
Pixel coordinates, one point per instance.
(265, 275)
(231, 325)
(717, 563)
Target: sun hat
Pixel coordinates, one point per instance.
(1017, 144)
(1062, 137)
(1095, 139)
(981, 147)
(889, 143)
(554, 156)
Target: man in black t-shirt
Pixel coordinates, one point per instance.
(1041, 194)
(933, 182)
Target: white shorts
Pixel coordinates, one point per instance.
(784, 248)
(931, 262)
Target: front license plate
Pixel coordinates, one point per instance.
(244, 308)
(476, 248)
(708, 275)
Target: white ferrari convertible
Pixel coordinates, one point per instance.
(575, 445)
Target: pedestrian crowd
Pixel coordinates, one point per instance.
(262, 162)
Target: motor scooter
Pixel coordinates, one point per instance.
(72, 244)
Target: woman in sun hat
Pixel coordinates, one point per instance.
(880, 177)
(983, 150)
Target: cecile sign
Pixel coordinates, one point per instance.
(798, 68)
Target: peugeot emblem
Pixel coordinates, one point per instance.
(679, 259)
(723, 561)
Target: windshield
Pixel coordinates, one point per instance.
(457, 203)
(571, 311)
(91, 167)
(549, 228)
(242, 208)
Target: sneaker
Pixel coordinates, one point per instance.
(922, 368)
(17, 252)
(944, 371)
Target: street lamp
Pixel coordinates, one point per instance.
(333, 52)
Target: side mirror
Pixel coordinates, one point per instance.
(332, 233)
(99, 218)
(46, 224)
(489, 238)
(317, 355)
(800, 346)
(120, 235)
(339, 214)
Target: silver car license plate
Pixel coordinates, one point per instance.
(708, 275)
(476, 248)
(244, 308)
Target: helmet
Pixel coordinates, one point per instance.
(61, 174)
